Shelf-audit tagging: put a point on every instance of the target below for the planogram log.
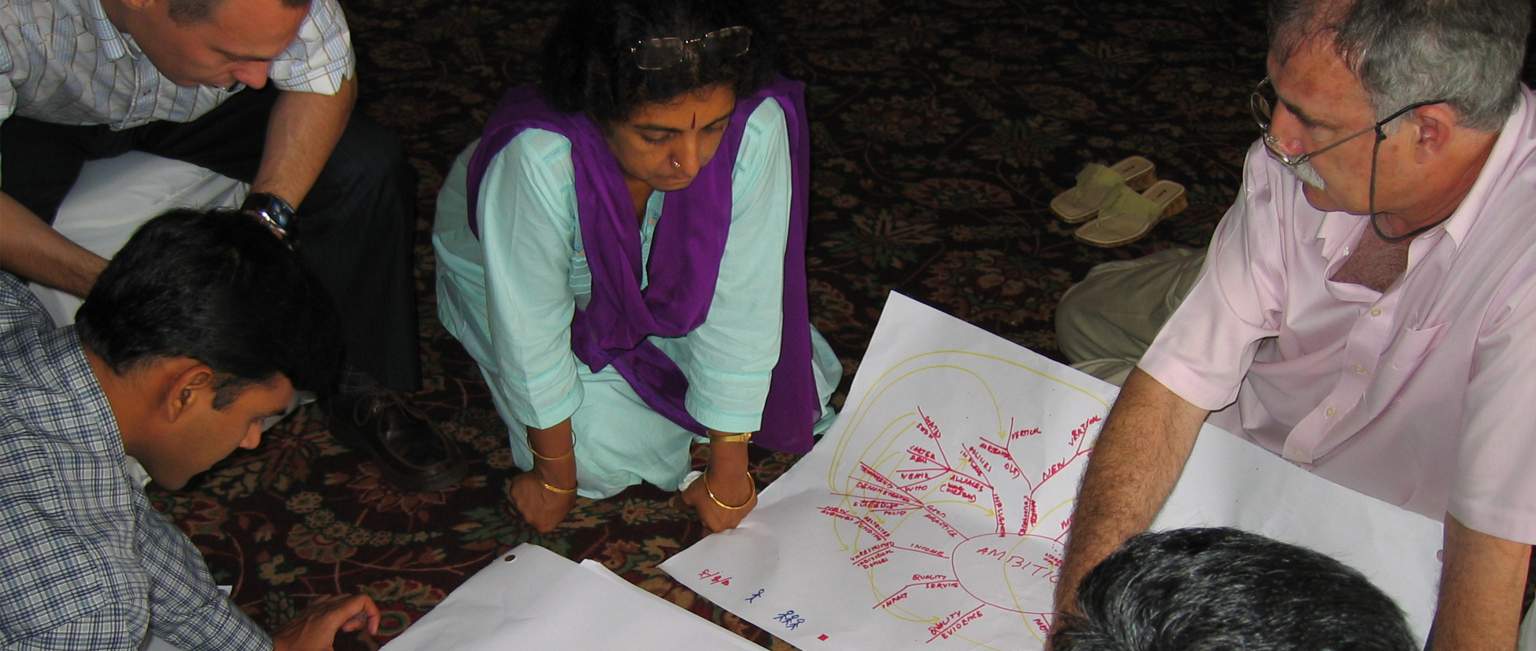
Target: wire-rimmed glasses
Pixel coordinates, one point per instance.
(1263, 115)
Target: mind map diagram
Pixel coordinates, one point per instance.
(953, 498)
(932, 514)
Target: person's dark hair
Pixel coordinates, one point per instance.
(1220, 588)
(193, 11)
(1466, 52)
(588, 66)
(217, 287)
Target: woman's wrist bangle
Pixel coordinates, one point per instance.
(711, 493)
(731, 438)
(568, 454)
(556, 489)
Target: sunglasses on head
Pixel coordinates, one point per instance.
(667, 51)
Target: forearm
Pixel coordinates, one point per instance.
(189, 611)
(729, 479)
(1482, 581)
(554, 453)
(726, 458)
(301, 134)
(1134, 465)
(31, 249)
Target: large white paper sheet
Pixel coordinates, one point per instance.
(541, 600)
(933, 514)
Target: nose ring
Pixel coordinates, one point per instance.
(676, 165)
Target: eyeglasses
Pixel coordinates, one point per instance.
(667, 51)
(1263, 115)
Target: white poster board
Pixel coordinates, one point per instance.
(533, 598)
(933, 514)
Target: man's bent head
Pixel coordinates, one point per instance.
(1220, 588)
(206, 323)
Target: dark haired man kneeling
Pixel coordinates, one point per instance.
(199, 329)
(1220, 588)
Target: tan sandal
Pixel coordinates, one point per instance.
(1129, 216)
(1097, 185)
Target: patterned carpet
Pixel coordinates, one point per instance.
(941, 131)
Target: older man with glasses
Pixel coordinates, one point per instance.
(1366, 307)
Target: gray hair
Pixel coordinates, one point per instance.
(1466, 52)
(185, 12)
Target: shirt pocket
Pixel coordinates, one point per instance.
(1394, 372)
(1411, 347)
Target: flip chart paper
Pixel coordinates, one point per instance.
(541, 600)
(933, 513)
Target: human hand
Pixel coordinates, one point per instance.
(315, 629)
(735, 490)
(543, 509)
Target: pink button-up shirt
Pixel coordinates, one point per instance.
(1423, 396)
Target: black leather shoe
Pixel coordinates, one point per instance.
(411, 453)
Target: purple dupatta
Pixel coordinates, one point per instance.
(684, 263)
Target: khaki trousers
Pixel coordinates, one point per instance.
(1106, 322)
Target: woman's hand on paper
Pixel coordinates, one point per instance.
(728, 492)
(541, 507)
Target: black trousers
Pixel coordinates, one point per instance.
(357, 225)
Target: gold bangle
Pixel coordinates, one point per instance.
(568, 453)
(556, 489)
(744, 437)
(711, 493)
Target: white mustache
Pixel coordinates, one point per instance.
(1309, 175)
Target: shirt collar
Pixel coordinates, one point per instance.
(1517, 128)
(114, 43)
(1338, 229)
(1278, 184)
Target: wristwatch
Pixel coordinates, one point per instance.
(275, 213)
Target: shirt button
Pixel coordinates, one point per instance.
(1331, 412)
(1375, 311)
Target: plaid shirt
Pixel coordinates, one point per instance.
(62, 61)
(85, 562)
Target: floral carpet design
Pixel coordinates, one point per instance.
(941, 130)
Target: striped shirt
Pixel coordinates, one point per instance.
(85, 561)
(64, 62)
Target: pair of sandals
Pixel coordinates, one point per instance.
(1120, 203)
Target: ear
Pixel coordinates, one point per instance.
(190, 387)
(1434, 128)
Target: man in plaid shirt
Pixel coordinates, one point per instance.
(197, 331)
(257, 90)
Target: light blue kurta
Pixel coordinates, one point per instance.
(509, 295)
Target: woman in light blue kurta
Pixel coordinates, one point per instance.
(509, 293)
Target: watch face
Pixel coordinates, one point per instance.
(274, 213)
